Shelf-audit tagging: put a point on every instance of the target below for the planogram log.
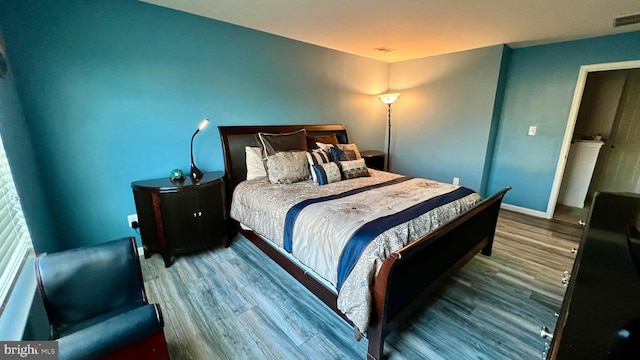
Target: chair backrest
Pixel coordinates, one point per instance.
(82, 283)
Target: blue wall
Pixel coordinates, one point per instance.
(443, 120)
(539, 90)
(22, 160)
(113, 90)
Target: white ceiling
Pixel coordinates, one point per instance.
(417, 28)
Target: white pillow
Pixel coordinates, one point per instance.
(255, 167)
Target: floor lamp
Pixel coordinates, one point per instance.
(388, 99)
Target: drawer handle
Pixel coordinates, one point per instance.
(566, 276)
(574, 250)
(545, 351)
(545, 333)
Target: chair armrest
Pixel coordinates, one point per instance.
(112, 334)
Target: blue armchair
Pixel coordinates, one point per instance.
(96, 304)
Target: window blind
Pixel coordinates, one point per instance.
(15, 241)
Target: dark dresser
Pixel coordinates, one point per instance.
(181, 217)
(600, 314)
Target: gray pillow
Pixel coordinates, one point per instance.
(353, 169)
(287, 167)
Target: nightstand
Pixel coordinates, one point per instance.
(181, 217)
(373, 158)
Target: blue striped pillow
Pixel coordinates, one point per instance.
(316, 157)
(326, 173)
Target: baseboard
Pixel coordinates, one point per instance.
(525, 211)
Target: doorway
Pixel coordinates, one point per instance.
(618, 168)
(606, 107)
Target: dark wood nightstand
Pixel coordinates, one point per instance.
(373, 158)
(180, 217)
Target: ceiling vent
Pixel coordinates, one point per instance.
(384, 49)
(626, 20)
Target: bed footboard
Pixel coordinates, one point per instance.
(416, 270)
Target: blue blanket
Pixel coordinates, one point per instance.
(370, 230)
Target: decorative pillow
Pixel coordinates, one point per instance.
(255, 167)
(274, 143)
(326, 173)
(315, 157)
(353, 169)
(327, 139)
(343, 155)
(327, 148)
(287, 167)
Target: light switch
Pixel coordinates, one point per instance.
(532, 130)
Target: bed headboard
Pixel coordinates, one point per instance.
(235, 138)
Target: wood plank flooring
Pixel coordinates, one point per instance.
(236, 303)
(572, 215)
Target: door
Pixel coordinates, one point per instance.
(620, 156)
(211, 223)
(180, 218)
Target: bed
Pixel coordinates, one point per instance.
(401, 276)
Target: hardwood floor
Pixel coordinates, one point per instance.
(572, 215)
(235, 303)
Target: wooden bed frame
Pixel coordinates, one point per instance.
(408, 275)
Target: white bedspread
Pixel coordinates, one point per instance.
(322, 229)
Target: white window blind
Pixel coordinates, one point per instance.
(15, 242)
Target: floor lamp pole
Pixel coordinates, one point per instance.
(388, 137)
(388, 99)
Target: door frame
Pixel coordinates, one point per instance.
(571, 123)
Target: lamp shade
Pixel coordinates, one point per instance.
(203, 124)
(389, 98)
